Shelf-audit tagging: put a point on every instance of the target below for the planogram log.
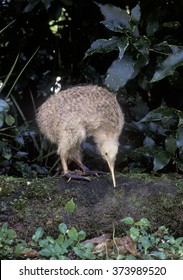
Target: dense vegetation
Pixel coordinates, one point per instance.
(133, 48)
(138, 243)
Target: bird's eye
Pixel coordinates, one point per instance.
(106, 153)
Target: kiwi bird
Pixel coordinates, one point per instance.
(72, 115)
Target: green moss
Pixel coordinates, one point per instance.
(145, 176)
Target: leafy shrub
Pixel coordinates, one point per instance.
(134, 48)
(139, 243)
(158, 245)
(7, 241)
(142, 60)
(162, 139)
(16, 142)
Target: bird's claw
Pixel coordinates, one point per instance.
(88, 172)
(75, 175)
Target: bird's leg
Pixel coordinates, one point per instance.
(86, 170)
(71, 174)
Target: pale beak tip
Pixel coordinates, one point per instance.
(113, 177)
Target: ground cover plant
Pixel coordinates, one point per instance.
(138, 243)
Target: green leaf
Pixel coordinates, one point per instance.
(20, 249)
(50, 239)
(43, 243)
(38, 234)
(168, 117)
(9, 120)
(142, 44)
(136, 14)
(134, 233)
(127, 220)
(122, 46)
(119, 73)
(170, 145)
(11, 233)
(4, 227)
(143, 222)
(70, 206)
(72, 233)
(157, 114)
(62, 228)
(161, 160)
(112, 13)
(6, 151)
(103, 46)
(60, 239)
(115, 26)
(146, 244)
(168, 66)
(81, 235)
(67, 243)
(45, 252)
(4, 107)
(178, 241)
(159, 255)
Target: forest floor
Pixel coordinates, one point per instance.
(27, 204)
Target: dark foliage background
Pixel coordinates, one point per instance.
(133, 48)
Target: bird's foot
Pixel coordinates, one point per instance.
(88, 172)
(76, 175)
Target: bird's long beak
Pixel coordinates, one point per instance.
(111, 167)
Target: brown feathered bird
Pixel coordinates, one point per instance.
(70, 116)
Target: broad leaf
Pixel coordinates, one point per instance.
(142, 44)
(122, 46)
(146, 244)
(136, 14)
(46, 252)
(115, 26)
(103, 46)
(119, 73)
(161, 160)
(72, 233)
(168, 66)
(148, 142)
(170, 145)
(134, 233)
(9, 119)
(62, 228)
(81, 235)
(158, 255)
(168, 116)
(38, 234)
(143, 223)
(4, 107)
(128, 221)
(70, 206)
(112, 13)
